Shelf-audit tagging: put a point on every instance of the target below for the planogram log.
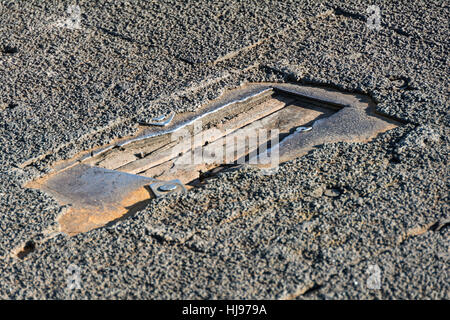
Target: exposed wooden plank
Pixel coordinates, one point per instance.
(206, 136)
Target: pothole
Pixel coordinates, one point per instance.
(259, 124)
(10, 50)
(29, 247)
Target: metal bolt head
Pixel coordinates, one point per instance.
(167, 187)
(303, 129)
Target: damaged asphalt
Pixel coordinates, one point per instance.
(310, 230)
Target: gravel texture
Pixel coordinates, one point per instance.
(310, 230)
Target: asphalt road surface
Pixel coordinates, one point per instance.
(346, 221)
